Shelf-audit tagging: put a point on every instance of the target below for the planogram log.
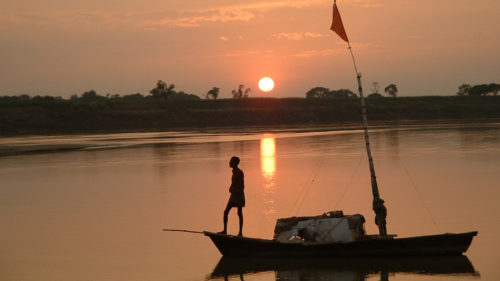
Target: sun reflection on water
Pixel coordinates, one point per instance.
(268, 168)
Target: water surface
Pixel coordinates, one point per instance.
(93, 207)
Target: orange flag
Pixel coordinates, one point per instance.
(337, 24)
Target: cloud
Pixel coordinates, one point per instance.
(243, 12)
(368, 3)
(266, 53)
(224, 38)
(64, 20)
(315, 53)
(316, 35)
(299, 36)
(195, 19)
(153, 20)
(288, 36)
(328, 52)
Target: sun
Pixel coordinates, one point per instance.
(266, 84)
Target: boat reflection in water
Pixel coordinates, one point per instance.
(345, 269)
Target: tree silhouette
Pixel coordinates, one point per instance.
(494, 88)
(89, 95)
(325, 93)
(341, 93)
(478, 90)
(317, 92)
(392, 90)
(374, 95)
(241, 93)
(213, 93)
(464, 90)
(162, 90)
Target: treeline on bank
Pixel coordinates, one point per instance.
(48, 115)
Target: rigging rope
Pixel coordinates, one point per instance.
(320, 163)
(299, 201)
(307, 185)
(418, 193)
(352, 56)
(350, 181)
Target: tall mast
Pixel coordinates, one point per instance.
(378, 203)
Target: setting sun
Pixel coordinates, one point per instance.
(266, 84)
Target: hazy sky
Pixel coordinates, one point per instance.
(65, 47)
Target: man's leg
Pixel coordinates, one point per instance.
(240, 215)
(226, 213)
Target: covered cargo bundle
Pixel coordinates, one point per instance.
(330, 227)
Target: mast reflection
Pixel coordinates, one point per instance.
(268, 168)
(345, 269)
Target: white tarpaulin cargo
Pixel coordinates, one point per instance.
(329, 227)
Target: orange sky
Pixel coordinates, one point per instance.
(60, 47)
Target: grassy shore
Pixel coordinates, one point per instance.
(107, 115)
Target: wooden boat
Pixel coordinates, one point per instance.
(367, 245)
(431, 245)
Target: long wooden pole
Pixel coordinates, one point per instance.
(183, 230)
(378, 204)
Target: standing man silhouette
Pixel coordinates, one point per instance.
(237, 198)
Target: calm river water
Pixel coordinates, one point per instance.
(93, 207)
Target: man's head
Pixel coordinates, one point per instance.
(233, 163)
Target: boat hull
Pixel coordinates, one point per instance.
(431, 245)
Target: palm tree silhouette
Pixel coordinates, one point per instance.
(240, 93)
(392, 90)
(213, 93)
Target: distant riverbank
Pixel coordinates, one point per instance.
(108, 116)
